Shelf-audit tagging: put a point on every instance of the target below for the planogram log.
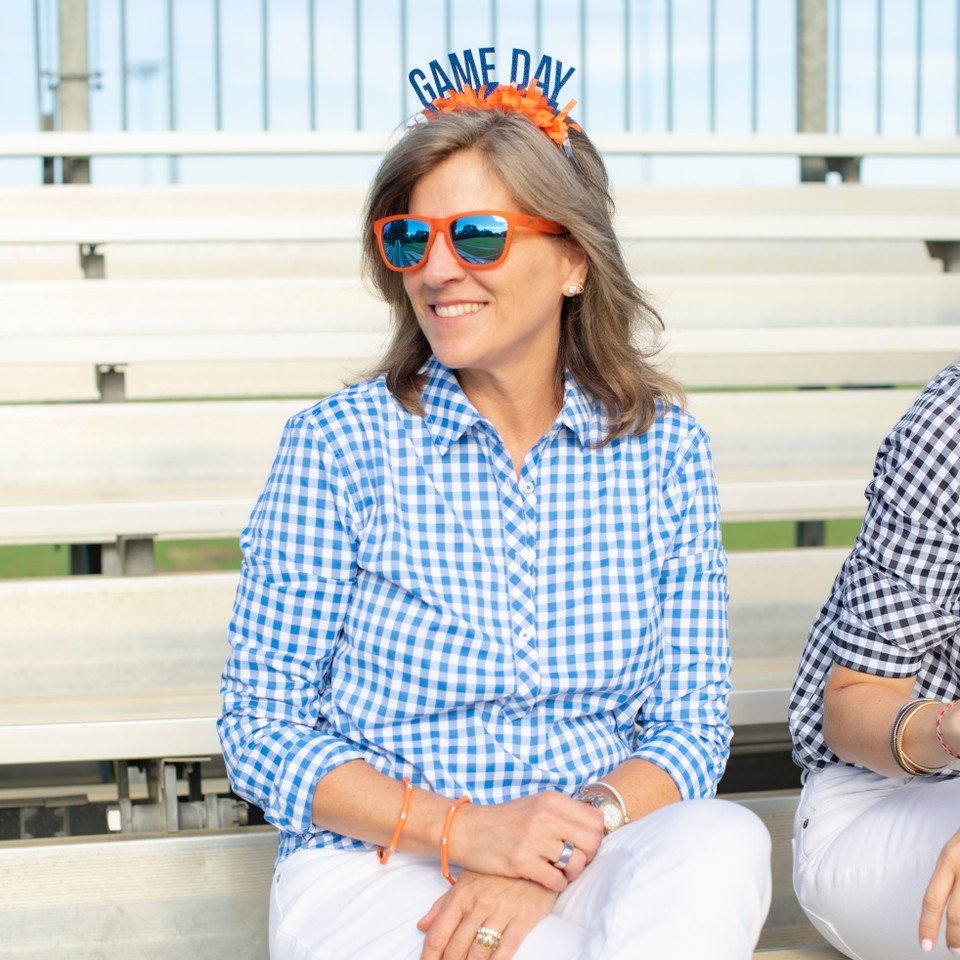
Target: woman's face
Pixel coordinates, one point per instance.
(502, 322)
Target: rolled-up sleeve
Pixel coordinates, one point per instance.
(684, 726)
(901, 592)
(298, 569)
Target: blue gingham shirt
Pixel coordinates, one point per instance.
(406, 599)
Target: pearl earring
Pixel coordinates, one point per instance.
(572, 289)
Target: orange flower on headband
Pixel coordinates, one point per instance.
(527, 101)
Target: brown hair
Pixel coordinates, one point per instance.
(600, 329)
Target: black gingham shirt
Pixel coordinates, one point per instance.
(894, 610)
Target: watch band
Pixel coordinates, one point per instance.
(606, 795)
(615, 793)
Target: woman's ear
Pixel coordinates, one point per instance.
(577, 266)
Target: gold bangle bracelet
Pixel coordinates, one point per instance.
(906, 714)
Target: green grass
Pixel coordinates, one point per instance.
(172, 556)
(190, 555)
(783, 535)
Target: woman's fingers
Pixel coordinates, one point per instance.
(953, 923)
(427, 919)
(935, 899)
(576, 865)
(482, 951)
(518, 837)
(507, 907)
(547, 876)
(442, 928)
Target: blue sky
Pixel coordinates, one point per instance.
(385, 98)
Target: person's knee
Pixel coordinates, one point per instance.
(729, 842)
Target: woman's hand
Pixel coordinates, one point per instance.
(511, 906)
(943, 891)
(523, 838)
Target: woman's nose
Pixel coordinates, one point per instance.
(441, 266)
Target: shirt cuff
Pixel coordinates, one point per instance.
(693, 765)
(291, 800)
(864, 651)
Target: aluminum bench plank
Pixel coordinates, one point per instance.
(196, 895)
(289, 230)
(146, 655)
(74, 202)
(312, 143)
(289, 305)
(89, 472)
(207, 895)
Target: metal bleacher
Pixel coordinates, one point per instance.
(148, 359)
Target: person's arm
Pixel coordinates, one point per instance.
(517, 839)
(684, 734)
(298, 571)
(899, 601)
(859, 711)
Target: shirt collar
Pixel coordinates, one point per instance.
(580, 414)
(448, 414)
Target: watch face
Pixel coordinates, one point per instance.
(612, 816)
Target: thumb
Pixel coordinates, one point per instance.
(426, 921)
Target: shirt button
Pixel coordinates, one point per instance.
(527, 486)
(525, 635)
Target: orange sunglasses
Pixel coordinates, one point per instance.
(478, 240)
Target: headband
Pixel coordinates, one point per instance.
(533, 97)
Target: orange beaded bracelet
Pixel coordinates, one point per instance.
(445, 839)
(384, 855)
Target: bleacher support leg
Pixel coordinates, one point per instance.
(847, 167)
(164, 812)
(111, 384)
(91, 262)
(811, 533)
(948, 252)
(86, 558)
(128, 557)
(813, 169)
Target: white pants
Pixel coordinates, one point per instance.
(689, 881)
(864, 849)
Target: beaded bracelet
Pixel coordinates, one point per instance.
(445, 839)
(384, 855)
(939, 729)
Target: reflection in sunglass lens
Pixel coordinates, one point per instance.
(404, 241)
(480, 238)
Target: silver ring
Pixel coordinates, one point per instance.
(488, 938)
(565, 856)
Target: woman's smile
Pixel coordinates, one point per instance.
(449, 311)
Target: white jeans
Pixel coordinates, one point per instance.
(689, 881)
(864, 849)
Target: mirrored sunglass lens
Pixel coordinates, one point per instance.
(404, 241)
(479, 239)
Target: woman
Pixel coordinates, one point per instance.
(479, 571)
(873, 712)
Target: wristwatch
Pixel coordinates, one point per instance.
(613, 810)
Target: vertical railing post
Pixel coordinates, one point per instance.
(812, 80)
(73, 89)
(812, 118)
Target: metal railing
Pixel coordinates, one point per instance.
(656, 48)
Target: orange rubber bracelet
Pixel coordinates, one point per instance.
(445, 840)
(384, 855)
